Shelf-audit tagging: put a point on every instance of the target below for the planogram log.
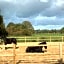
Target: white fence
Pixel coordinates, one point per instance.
(54, 52)
(39, 39)
(54, 49)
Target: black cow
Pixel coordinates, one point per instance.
(10, 40)
(38, 49)
(33, 49)
(43, 43)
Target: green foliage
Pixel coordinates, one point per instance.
(10, 24)
(27, 25)
(62, 30)
(25, 29)
(1, 22)
(3, 32)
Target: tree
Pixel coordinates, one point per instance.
(3, 32)
(10, 24)
(24, 28)
(27, 28)
(11, 28)
(1, 22)
(62, 30)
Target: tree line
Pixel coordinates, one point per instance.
(61, 31)
(22, 29)
(25, 29)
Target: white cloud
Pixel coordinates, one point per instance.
(39, 12)
(56, 9)
(39, 17)
(43, 0)
(59, 3)
(8, 0)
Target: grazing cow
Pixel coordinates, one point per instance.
(10, 40)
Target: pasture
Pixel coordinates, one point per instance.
(49, 37)
(18, 55)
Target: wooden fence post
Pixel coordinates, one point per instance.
(3, 47)
(62, 38)
(14, 55)
(25, 39)
(50, 38)
(60, 48)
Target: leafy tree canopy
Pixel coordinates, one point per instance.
(27, 25)
(3, 32)
(24, 28)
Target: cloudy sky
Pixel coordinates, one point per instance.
(43, 14)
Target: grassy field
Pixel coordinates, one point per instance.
(53, 37)
(43, 34)
(47, 34)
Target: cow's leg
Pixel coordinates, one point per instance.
(5, 45)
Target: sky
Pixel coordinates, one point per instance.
(43, 14)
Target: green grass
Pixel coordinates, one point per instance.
(55, 37)
(47, 34)
(42, 34)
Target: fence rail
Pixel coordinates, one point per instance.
(39, 39)
(54, 51)
(51, 56)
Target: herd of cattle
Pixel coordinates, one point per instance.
(29, 49)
